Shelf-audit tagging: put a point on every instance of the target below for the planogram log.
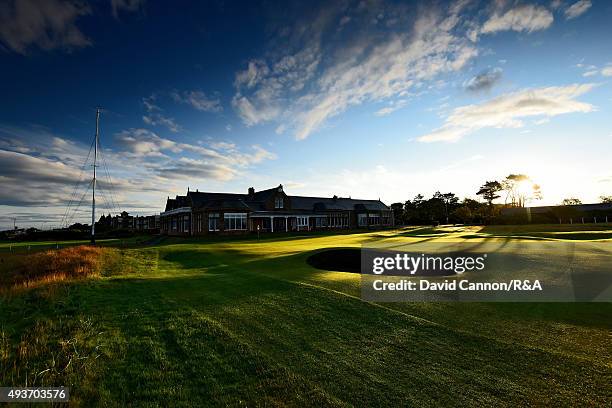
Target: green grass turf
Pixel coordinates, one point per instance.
(247, 322)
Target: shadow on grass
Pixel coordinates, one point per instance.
(251, 334)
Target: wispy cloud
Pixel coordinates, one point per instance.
(304, 86)
(198, 100)
(577, 9)
(524, 17)
(155, 117)
(46, 24)
(40, 169)
(506, 111)
(130, 6)
(484, 81)
(219, 160)
(592, 70)
(392, 107)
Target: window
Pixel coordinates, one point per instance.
(278, 202)
(186, 222)
(235, 221)
(197, 222)
(320, 222)
(374, 219)
(213, 221)
(363, 220)
(302, 221)
(338, 220)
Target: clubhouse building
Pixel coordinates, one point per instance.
(199, 213)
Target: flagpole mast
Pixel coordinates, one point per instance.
(93, 197)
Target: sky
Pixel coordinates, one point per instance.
(368, 99)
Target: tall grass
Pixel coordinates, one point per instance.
(24, 270)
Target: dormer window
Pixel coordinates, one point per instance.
(278, 202)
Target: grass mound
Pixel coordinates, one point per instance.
(57, 265)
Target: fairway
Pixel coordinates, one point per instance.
(247, 322)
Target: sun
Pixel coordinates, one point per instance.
(525, 188)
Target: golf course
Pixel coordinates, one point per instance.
(242, 321)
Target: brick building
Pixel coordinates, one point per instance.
(271, 210)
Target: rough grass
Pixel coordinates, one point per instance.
(250, 323)
(24, 270)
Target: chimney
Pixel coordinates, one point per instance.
(335, 197)
(251, 192)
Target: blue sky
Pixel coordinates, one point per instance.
(372, 99)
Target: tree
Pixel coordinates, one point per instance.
(449, 201)
(606, 199)
(537, 192)
(398, 212)
(571, 201)
(464, 214)
(489, 191)
(418, 200)
(519, 189)
(472, 204)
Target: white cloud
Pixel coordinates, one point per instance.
(157, 119)
(47, 24)
(607, 71)
(198, 100)
(556, 4)
(392, 107)
(484, 81)
(39, 170)
(524, 17)
(303, 89)
(577, 9)
(221, 145)
(506, 111)
(252, 115)
(154, 115)
(593, 70)
(144, 144)
(255, 72)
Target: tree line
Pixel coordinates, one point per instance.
(517, 190)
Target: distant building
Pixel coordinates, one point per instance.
(147, 223)
(566, 214)
(271, 210)
(125, 221)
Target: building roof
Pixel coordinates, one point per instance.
(330, 204)
(255, 201)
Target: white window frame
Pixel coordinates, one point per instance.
(302, 221)
(279, 202)
(362, 220)
(215, 217)
(235, 221)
